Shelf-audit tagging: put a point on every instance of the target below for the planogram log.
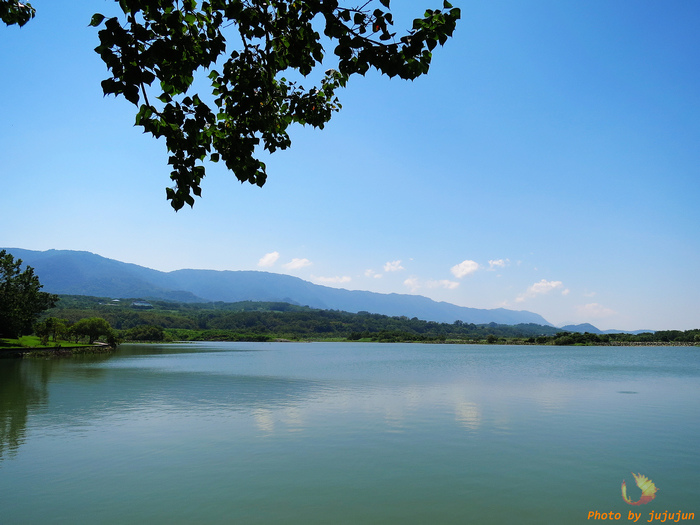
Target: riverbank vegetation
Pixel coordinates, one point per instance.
(92, 322)
(164, 321)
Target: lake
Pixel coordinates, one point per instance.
(348, 433)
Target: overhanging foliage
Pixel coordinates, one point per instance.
(246, 47)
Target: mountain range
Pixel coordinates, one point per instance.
(84, 273)
(587, 327)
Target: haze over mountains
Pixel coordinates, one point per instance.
(84, 273)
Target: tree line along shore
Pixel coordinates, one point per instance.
(83, 320)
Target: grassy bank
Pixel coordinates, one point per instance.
(32, 346)
(34, 342)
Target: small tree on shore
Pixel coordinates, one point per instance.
(92, 328)
(51, 327)
(21, 301)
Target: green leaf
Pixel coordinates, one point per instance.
(110, 86)
(96, 19)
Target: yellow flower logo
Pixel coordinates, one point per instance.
(644, 483)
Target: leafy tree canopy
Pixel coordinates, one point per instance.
(21, 301)
(14, 12)
(246, 47)
(92, 328)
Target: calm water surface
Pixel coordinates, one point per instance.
(343, 433)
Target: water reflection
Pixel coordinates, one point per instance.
(289, 389)
(468, 415)
(264, 420)
(21, 389)
(341, 433)
(25, 387)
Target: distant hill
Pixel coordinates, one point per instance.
(84, 273)
(586, 327)
(581, 328)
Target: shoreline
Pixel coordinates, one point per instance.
(103, 348)
(58, 351)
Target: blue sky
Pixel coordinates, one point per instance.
(549, 162)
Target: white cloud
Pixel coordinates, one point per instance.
(544, 286)
(443, 283)
(412, 283)
(295, 264)
(269, 259)
(393, 266)
(332, 280)
(540, 288)
(595, 310)
(566, 292)
(498, 263)
(372, 273)
(464, 268)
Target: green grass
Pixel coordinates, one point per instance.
(33, 341)
(27, 341)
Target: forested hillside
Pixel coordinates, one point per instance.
(263, 320)
(248, 320)
(69, 272)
